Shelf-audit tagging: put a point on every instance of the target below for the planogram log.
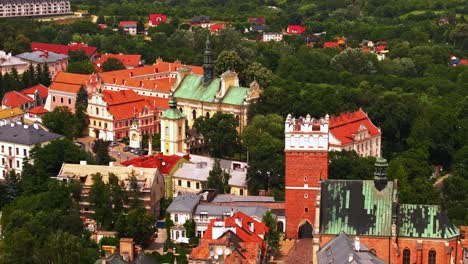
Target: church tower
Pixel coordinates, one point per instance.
(306, 153)
(208, 67)
(172, 130)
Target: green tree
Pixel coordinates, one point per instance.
(134, 201)
(264, 140)
(348, 165)
(117, 194)
(220, 132)
(101, 149)
(112, 64)
(45, 78)
(81, 118)
(80, 67)
(12, 187)
(261, 74)
(354, 61)
(60, 121)
(100, 200)
(273, 236)
(456, 199)
(218, 178)
(77, 56)
(137, 224)
(228, 60)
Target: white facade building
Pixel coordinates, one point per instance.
(16, 142)
(272, 36)
(17, 8)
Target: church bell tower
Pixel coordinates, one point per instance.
(172, 130)
(208, 67)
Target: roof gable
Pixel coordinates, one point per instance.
(26, 135)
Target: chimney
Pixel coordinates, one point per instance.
(357, 244)
(83, 162)
(380, 174)
(126, 249)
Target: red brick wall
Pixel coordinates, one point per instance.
(386, 251)
(303, 169)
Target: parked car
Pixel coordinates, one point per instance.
(113, 144)
(127, 149)
(135, 150)
(79, 144)
(142, 152)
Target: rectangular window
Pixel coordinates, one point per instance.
(53, 98)
(17, 151)
(61, 100)
(69, 101)
(241, 192)
(25, 152)
(188, 184)
(180, 183)
(17, 164)
(197, 185)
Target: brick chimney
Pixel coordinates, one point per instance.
(126, 249)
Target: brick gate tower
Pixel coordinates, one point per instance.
(306, 152)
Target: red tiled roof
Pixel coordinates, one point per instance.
(102, 26)
(43, 91)
(463, 62)
(160, 85)
(257, 20)
(65, 87)
(296, 29)
(15, 99)
(120, 97)
(330, 45)
(216, 27)
(71, 78)
(157, 18)
(125, 104)
(63, 49)
(346, 125)
(154, 161)
(128, 60)
(38, 110)
(380, 48)
(123, 23)
(159, 67)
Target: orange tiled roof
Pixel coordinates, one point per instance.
(15, 99)
(128, 60)
(38, 110)
(125, 104)
(65, 87)
(344, 126)
(159, 67)
(43, 91)
(160, 85)
(72, 78)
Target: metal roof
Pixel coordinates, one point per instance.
(41, 56)
(355, 207)
(425, 221)
(184, 203)
(228, 198)
(26, 135)
(220, 210)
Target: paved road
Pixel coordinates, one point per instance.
(158, 244)
(116, 152)
(301, 252)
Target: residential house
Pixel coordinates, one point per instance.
(272, 36)
(456, 61)
(257, 21)
(35, 114)
(102, 26)
(33, 8)
(129, 27)
(11, 115)
(156, 19)
(237, 238)
(355, 131)
(379, 48)
(330, 44)
(112, 113)
(150, 183)
(190, 177)
(166, 164)
(90, 51)
(55, 62)
(65, 86)
(295, 29)
(27, 98)
(200, 21)
(16, 142)
(181, 210)
(130, 61)
(343, 249)
(216, 27)
(125, 254)
(205, 95)
(8, 62)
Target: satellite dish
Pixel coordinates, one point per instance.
(227, 251)
(219, 251)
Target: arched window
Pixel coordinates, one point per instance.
(406, 256)
(176, 218)
(194, 114)
(432, 257)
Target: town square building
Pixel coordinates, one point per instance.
(18, 8)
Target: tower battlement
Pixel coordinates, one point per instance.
(307, 134)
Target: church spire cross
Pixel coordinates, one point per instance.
(207, 62)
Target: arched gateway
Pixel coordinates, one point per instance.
(304, 230)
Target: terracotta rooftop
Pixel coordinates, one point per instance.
(128, 60)
(63, 49)
(155, 161)
(346, 125)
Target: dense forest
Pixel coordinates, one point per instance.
(416, 96)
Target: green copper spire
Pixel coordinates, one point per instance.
(208, 67)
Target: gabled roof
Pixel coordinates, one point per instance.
(128, 60)
(38, 110)
(424, 221)
(154, 161)
(341, 249)
(330, 45)
(26, 135)
(40, 56)
(63, 49)
(216, 27)
(200, 19)
(155, 19)
(347, 124)
(159, 67)
(126, 24)
(124, 104)
(162, 85)
(68, 82)
(355, 207)
(184, 203)
(11, 112)
(192, 88)
(296, 29)
(15, 99)
(41, 89)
